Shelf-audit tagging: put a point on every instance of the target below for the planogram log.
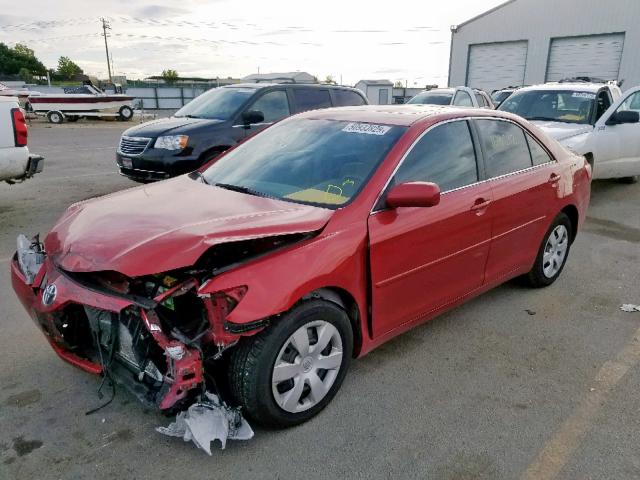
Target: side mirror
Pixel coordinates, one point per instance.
(624, 116)
(414, 194)
(251, 117)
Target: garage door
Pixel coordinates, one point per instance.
(496, 65)
(592, 56)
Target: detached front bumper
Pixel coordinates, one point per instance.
(85, 327)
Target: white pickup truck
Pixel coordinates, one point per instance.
(16, 163)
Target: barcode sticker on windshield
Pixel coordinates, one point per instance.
(590, 96)
(367, 128)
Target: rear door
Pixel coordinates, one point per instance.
(617, 146)
(345, 98)
(524, 194)
(422, 259)
(307, 98)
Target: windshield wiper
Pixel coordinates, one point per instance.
(242, 189)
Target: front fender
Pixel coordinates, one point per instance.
(276, 282)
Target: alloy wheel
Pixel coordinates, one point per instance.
(555, 251)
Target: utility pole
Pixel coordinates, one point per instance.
(105, 27)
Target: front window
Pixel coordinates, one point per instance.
(500, 96)
(216, 104)
(551, 105)
(317, 162)
(432, 98)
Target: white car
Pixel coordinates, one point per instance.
(458, 96)
(592, 119)
(16, 164)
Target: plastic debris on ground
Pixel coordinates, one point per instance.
(629, 307)
(209, 420)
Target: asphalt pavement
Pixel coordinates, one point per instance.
(516, 384)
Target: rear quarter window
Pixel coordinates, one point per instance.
(311, 99)
(346, 98)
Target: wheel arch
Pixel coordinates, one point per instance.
(571, 211)
(348, 303)
(206, 156)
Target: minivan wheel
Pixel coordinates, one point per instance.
(553, 253)
(289, 372)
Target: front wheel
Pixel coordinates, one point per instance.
(289, 372)
(553, 253)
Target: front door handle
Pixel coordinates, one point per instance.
(480, 204)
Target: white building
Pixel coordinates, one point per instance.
(378, 92)
(525, 42)
(284, 77)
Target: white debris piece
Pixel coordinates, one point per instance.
(209, 420)
(630, 307)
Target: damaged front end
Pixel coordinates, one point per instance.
(158, 335)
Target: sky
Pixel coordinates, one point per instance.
(348, 40)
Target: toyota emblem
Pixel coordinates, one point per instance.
(49, 294)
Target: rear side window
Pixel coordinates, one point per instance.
(345, 98)
(505, 147)
(462, 99)
(311, 98)
(273, 105)
(445, 156)
(539, 155)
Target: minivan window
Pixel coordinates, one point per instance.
(216, 104)
(311, 98)
(445, 156)
(344, 98)
(505, 147)
(462, 99)
(273, 105)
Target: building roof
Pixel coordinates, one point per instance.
(484, 14)
(385, 83)
(402, 115)
(293, 77)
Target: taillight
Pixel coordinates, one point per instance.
(19, 128)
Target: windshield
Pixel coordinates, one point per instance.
(432, 98)
(316, 162)
(216, 104)
(552, 105)
(500, 96)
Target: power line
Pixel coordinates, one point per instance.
(105, 27)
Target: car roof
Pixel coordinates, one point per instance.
(439, 90)
(401, 115)
(260, 85)
(565, 86)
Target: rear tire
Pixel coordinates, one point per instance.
(553, 253)
(55, 117)
(301, 387)
(125, 113)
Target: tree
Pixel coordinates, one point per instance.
(398, 84)
(67, 69)
(329, 80)
(25, 75)
(12, 60)
(170, 76)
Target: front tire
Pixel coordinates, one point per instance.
(288, 373)
(553, 253)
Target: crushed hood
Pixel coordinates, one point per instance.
(561, 130)
(168, 225)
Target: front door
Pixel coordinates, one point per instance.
(617, 146)
(422, 259)
(274, 106)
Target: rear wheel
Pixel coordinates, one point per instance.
(553, 253)
(125, 113)
(55, 117)
(289, 372)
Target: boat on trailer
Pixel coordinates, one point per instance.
(78, 102)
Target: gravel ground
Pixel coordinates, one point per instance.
(516, 384)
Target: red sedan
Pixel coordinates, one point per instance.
(313, 242)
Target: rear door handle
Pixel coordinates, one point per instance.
(480, 204)
(554, 178)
